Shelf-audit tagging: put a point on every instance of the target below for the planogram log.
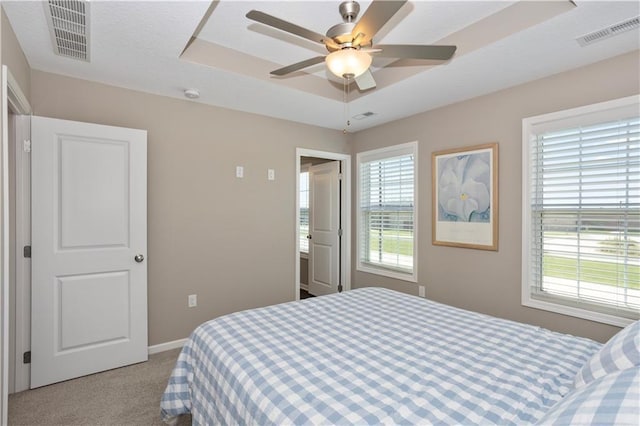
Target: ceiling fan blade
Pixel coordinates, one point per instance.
(297, 66)
(280, 24)
(378, 13)
(410, 51)
(365, 81)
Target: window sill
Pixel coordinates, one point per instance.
(558, 308)
(404, 276)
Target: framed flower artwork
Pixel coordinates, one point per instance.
(465, 197)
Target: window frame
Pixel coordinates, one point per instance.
(303, 168)
(532, 126)
(410, 148)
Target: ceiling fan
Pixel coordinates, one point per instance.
(350, 44)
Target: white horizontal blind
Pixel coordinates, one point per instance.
(304, 212)
(386, 234)
(585, 217)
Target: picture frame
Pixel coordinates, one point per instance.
(465, 197)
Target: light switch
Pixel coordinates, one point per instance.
(239, 171)
(193, 300)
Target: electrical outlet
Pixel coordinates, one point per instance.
(421, 291)
(193, 300)
(271, 174)
(239, 171)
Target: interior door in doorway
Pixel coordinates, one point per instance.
(324, 228)
(89, 239)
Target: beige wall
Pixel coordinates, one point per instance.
(229, 240)
(13, 57)
(486, 281)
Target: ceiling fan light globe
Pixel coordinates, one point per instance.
(348, 61)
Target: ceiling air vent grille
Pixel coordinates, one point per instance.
(363, 115)
(604, 33)
(69, 27)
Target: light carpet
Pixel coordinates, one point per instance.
(124, 396)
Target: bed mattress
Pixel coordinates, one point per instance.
(370, 356)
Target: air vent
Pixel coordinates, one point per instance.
(69, 27)
(604, 33)
(363, 115)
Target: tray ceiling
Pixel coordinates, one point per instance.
(165, 47)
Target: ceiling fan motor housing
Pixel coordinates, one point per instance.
(341, 33)
(349, 10)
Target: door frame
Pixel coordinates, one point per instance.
(22, 299)
(14, 100)
(345, 214)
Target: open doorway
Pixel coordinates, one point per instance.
(15, 108)
(323, 223)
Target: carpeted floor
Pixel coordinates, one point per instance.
(124, 396)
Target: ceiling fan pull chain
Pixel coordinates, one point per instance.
(344, 100)
(348, 89)
(345, 97)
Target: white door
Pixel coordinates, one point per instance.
(89, 291)
(324, 227)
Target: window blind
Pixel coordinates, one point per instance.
(304, 212)
(386, 234)
(585, 217)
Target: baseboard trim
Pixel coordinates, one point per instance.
(167, 346)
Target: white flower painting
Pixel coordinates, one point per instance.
(464, 188)
(465, 197)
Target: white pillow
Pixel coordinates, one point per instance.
(613, 399)
(622, 351)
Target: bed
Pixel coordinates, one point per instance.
(373, 356)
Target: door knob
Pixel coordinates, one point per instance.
(309, 237)
(138, 258)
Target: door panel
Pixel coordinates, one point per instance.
(92, 309)
(91, 218)
(89, 295)
(321, 264)
(324, 224)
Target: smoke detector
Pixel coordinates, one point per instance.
(69, 27)
(192, 93)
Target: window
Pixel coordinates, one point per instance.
(581, 205)
(387, 211)
(304, 209)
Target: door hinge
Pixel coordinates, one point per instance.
(26, 251)
(26, 145)
(340, 232)
(26, 357)
(339, 176)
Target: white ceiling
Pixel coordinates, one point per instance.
(137, 45)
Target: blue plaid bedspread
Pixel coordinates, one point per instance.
(370, 356)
